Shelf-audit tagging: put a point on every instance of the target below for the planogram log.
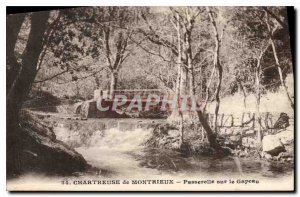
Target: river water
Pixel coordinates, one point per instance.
(122, 154)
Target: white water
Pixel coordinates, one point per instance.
(114, 139)
(113, 152)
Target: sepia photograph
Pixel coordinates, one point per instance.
(150, 98)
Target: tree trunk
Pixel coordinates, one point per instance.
(21, 87)
(183, 79)
(243, 89)
(177, 91)
(188, 52)
(207, 88)
(181, 88)
(271, 33)
(182, 75)
(220, 72)
(13, 26)
(217, 64)
(257, 95)
(113, 83)
(280, 72)
(211, 136)
(192, 81)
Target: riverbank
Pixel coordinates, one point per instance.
(237, 142)
(34, 148)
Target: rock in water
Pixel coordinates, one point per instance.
(272, 145)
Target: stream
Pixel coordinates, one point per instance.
(119, 154)
(122, 154)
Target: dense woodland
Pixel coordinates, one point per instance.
(211, 52)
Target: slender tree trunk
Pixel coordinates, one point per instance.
(192, 81)
(188, 51)
(177, 91)
(181, 128)
(280, 72)
(207, 92)
(200, 85)
(218, 65)
(218, 97)
(257, 95)
(113, 83)
(243, 89)
(271, 33)
(219, 82)
(183, 79)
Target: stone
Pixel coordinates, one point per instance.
(272, 145)
(286, 136)
(43, 152)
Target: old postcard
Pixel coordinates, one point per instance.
(150, 99)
